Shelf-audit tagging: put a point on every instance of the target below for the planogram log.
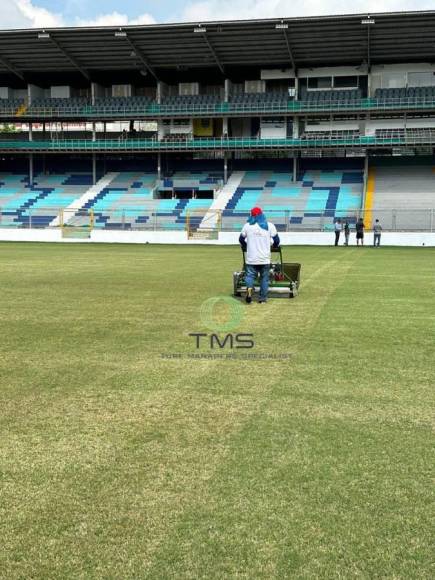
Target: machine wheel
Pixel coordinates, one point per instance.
(236, 278)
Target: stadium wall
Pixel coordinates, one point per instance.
(225, 238)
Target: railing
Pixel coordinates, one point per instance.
(151, 218)
(155, 110)
(222, 144)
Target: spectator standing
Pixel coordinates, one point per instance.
(377, 229)
(337, 227)
(346, 233)
(360, 232)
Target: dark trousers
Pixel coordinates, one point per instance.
(337, 237)
(377, 239)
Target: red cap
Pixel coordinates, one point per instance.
(256, 211)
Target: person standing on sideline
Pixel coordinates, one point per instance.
(346, 233)
(360, 232)
(337, 227)
(377, 229)
(256, 239)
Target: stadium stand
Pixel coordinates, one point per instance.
(397, 94)
(403, 194)
(189, 101)
(57, 105)
(271, 98)
(335, 96)
(24, 205)
(130, 201)
(313, 201)
(255, 123)
(11, 106)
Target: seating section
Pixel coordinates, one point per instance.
(23, 205)
(129, 202)
(58, 105)
(403, 194)
(195, 180)
(121, 104)
(190, 101)
(11, 106)
(345, 96)
(313, 201)
(420, 93)
(258, 100)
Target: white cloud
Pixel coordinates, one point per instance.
(203, 10)
(38, 17)
(115, 19)
(27, 14)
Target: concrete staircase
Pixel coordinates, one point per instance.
(77, 204)
(211, 218)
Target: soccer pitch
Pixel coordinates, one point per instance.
(123, 454)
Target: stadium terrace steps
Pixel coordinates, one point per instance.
(25, 205)
(220, 202)
(314, 200)
(403, 194)
(88, 196)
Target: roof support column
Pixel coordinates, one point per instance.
(94, 168)
(97, 91)
(31, 169)
(295, 167)
(162, 91)
(228, 85)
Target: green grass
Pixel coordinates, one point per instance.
(118, 463)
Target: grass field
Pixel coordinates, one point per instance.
(117, 461)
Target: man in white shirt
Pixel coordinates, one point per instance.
(257, 237)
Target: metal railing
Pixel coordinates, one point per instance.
(222, 144)
(154, 110)
(152, 218)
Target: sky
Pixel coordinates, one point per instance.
(52, 13)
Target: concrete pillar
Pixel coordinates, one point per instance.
(162, 91)
(225, 167)
(228, 85)
(365, 179)
(295, 168)
(159, 166)
(31, 168)
(30, 131)
(94, 131)
(296, 88)
(97, 91)
(295, 127)
(94, 168)
(225, 127)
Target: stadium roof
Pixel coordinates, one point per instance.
(222, 46)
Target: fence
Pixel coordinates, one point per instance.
(154, 110)
(153, 219)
